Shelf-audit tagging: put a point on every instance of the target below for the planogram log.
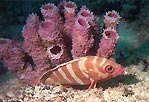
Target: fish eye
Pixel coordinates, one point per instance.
(109, 69)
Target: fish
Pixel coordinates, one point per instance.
(88, 70)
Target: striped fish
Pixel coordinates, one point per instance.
(83, 71)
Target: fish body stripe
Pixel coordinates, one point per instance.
(51, 79)
(91, 65)
(71, 71)
(62, 79)
(58, 80)
(79, 73)
(82, 67)
(94, 64)
(102, 62)
(64, 75)
(95, 60)
(66, 71)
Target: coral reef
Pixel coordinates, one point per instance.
(63, 34)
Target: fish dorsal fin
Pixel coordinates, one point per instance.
(112, 59)
(64, 64)
(49, 72)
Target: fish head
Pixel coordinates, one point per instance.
(109, 69)
(106, 69)
(113, 69)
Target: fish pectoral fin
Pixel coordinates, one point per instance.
(45, 76)
(92, 85)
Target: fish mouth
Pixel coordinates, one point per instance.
(120, 71)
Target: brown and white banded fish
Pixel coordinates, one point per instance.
(83, 71)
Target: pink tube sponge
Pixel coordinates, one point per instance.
(82, 40)
(12, 55)
(4, 45)
(32, 43)
(108, 43)
(85, 34)
(49, 32)
(111, 19)
(53, 42)
(70, 16)
(29, 30)
(87, 15)
(51, 12)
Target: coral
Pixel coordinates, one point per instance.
(70, 16)
(54, 43)
(108, 41)
(63, 34)
(109, 35)
(83, 39)
(51, 12)
(32, 44)
(11, 54)
(111, 19)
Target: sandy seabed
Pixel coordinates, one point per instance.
(133, 86)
